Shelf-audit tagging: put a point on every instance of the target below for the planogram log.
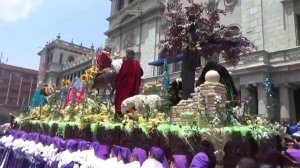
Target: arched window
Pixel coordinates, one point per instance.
(71, 59)
(130, 1)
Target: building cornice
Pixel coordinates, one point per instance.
(67, 46)
(119, 26)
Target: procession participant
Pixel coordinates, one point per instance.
(180, 161)
(139, 155)
(201, 160)
(156, 159)
(128, 80)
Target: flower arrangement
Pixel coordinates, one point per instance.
(150, 86)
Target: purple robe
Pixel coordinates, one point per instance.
(201, 160)
(181, 161)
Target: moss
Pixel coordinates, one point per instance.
(258, 132)
(111, 126)
(94, 127)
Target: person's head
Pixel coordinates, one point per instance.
(247, 163)
(130, 54)
(159, 155)
(139, 155)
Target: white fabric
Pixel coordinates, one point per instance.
(152, 163)
(134, 164)
(116, 64)
(296, 134)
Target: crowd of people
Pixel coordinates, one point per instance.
(21, 149)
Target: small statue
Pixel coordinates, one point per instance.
(39, 96)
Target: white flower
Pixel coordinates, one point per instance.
(238, 111)
(216, 121)
(197, 89)
(265, 135)
(218, 99)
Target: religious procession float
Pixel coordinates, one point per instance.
(199, 124)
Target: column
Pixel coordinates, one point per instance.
(244, 92)
(284, 102)
(292, 103)
(262, 101)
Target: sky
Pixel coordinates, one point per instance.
(27, 25)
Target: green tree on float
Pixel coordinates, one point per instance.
(165, 89)
(196, 31)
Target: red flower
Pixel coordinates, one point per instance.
(130, 110)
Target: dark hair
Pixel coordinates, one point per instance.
(247, 163)
(130, 53)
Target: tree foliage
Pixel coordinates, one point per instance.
(200, 30)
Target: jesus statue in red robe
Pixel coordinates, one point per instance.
(103, 59)
(128, 80)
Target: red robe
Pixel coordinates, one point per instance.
(75, 95)
(128, 81)
(103, 60)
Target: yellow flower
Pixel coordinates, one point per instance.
(63, 81)
(53, 87)
(89, 71)
(67, 82)
(84, 77)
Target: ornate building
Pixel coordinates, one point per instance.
(273, 25)
(16, 89)
(60, 59)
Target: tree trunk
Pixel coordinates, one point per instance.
(189, 63)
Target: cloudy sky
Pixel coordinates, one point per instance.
(27, 25)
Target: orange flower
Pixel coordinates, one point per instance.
(84, 77)
(53, 87)
(68, 82)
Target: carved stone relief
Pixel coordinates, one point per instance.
(230, 4)
(130, 40)
(212, 5)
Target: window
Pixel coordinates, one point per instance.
(177, 66)
(298, 29)
(130, 1)
(159, 70)
(120, 4)
(71, 59)
(61, 57)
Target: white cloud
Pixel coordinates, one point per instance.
(13, 10)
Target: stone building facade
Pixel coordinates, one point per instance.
(273, 26)
(17, 86)
(60, 59)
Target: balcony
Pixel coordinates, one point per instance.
(54, 67)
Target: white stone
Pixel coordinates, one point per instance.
(212, 76)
